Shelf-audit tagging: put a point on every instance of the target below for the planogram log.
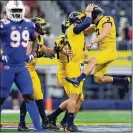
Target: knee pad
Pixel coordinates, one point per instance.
(28, 98)
(2, 100)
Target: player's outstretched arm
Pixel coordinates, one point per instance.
(47, 50)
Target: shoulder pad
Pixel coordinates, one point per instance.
(59, 40)
(5, 21)
(27, 20)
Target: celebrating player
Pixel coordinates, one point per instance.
(38, 95)
(106, 38)
(63, 53)
(15, 32)
(75, 39)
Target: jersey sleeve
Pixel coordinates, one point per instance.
(82, 26)
(107, 19)
(32, 30)
(1, 25)
(1, 29)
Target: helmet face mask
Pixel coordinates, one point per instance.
(15, 10)
(65, 25)
(40, 25)
(96, 11)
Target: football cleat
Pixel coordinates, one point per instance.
(72, 128)
(22, 127)
(48, 125)
(0, 125)
(52, 122)
(74, 81)
(127, 84)
(63, 125)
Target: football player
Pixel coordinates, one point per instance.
(106, 39)
(75, 39)
(15, 32)
(41, 51)
(63, 58)
(63, 52)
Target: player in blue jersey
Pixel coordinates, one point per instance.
(15, 32)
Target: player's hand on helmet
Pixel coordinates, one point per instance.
(29, 58)
(90, 8)
(5, 58)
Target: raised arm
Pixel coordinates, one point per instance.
(87, 22)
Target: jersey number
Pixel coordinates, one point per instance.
(16, 38)
(97, 31)
(108, 19)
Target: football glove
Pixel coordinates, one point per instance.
(4, 58)
(29, 58)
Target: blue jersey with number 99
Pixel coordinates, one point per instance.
(14, 39)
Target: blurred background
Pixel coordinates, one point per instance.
(99, 97)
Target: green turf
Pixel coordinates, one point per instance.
(83, 117)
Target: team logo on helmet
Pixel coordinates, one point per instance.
(76, 17)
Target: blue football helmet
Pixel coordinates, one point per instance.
(96, 11)
(65, 25)
(76, 17)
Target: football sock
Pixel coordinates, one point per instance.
(70, 119)
(57, 112)
(117, 80)
(34, 114)
(81, 77)
(64, 120)
(23, 111)
(41, 109)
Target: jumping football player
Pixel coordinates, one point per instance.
(38, 94)
(15, 32)
(106, 39)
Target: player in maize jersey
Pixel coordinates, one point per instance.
(105, 29)
(41, 51)
(75, 40)
(63, 56)
(15, 32)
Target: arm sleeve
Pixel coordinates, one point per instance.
(1, 28)
(32, 31)
(81, 27)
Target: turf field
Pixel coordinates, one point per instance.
(86, 120)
